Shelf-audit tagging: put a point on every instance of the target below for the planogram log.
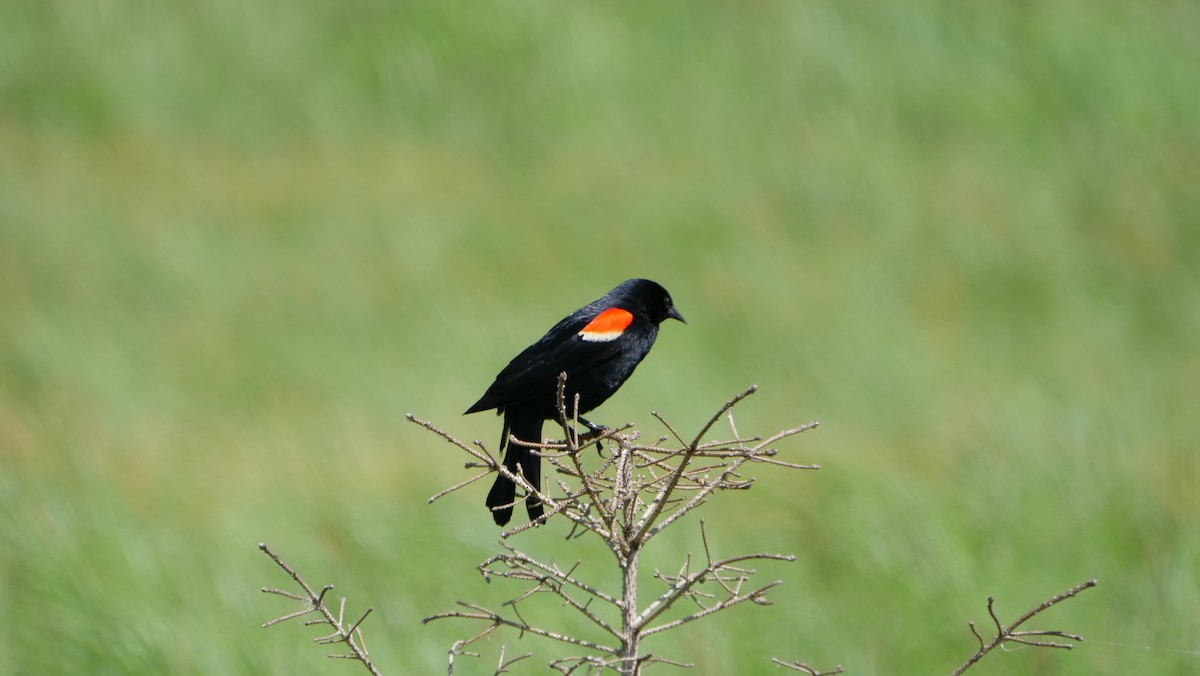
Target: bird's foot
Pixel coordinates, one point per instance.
(594, 431)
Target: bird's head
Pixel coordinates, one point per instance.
(651, 297)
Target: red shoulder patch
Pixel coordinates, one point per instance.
(608, 325)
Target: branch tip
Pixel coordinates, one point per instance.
(1010, 633)
(316, 604)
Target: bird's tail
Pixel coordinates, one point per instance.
(504, 492)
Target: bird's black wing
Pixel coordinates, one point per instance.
(534, 373)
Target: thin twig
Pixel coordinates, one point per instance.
(316, 604)
(1009, 633)
(805, 669)
(495, 618)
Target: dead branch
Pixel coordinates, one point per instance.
(315, 603)
(805, 669)
(635, 492)
(1009, 634)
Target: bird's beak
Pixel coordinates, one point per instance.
(674, 314)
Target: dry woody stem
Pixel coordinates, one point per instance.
(627, 499)
(635, 492)
(314, 602)
(1034, 638)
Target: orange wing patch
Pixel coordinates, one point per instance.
(608, 325)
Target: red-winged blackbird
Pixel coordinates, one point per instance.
(597, 346)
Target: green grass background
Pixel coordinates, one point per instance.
(240, 240)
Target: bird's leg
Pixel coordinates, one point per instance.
(595, 430)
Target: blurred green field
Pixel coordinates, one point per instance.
(240, 240)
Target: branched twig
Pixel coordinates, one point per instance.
(597, 665)
(636, 492)
(1009, 634)
(351, 636)
(805, 669)
(476, 612)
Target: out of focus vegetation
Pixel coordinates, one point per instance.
(240, 239)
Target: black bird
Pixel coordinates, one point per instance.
(598, 346)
